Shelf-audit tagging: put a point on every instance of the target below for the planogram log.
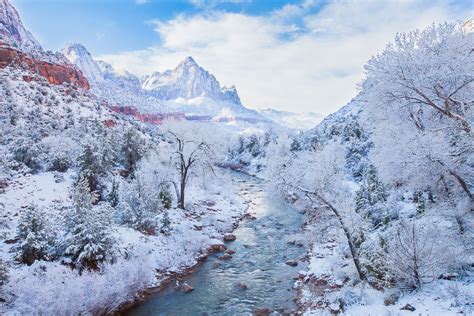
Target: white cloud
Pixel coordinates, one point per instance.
(312, 65)
(213, 3)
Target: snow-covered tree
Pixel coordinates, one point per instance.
(88, 240)
(192, 151)
(133, 149)
(426, 78)
(370, 197)
(90, 167)
(35, 236)
(3, 273)
(140, 204)
(418, 253)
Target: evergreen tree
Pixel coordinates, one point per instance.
(370, 196)
(133, 149)
(89, 167)
(165, 228)
(113, 197)
(165, 197)
(3, 273)
(139, 206)
(89, 236)
(35, 236)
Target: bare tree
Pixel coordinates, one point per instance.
(414, 254)
(190, 150)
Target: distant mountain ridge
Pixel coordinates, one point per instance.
(187, 89)
(299, 121)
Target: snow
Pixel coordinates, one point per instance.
(188, 88)
(53, 288)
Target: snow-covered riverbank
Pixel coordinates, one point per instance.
(140, 261)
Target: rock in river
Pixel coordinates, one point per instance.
(186, 288)
(229, 237)
(292, 263)
(225, 256)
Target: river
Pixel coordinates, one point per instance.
(259, 263)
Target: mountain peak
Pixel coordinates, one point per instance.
(189, 61)
(80, 56)
(12, 30)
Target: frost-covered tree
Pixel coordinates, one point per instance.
(418, 253)
(431, 69)
(133, 149)
(191, 151)
(427, 78)
(165, 222)
(140, 204)
(88, 240)
(319, 176)
(34, 235)
(90, 167)
(3, 273)
(113, 197)
(370, 197)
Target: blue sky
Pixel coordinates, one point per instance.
(108, 26)
(300, 55)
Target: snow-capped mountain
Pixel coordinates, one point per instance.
(188, 80)
(187, 89)
(299, 121)
(80, 56)
(12, 30)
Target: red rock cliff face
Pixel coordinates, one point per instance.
(54, 73)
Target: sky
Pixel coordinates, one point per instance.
(300, 55)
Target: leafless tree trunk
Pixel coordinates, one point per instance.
(186, 160)
(350, 242)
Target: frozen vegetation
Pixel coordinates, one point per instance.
(96, 206)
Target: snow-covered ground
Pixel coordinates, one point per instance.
(140, 261)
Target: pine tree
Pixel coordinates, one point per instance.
(3, 273)
(165, 228)
(139, 206)
(113, 197)
(35, 236)
(165, 197)
(89, 237)
(133, 149)
(89, 167)
(371, 194)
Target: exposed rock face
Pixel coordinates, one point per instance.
(54, 73)
(12, 29)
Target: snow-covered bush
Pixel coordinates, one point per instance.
(418, 253)
(88, 241)
(35, 236)
(140, 204)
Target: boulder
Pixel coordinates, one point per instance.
(225, 256)
(263, 311)
(292, 263)
(218, 248)
(391, 299)
(186, 288)
(291, 242)
(408, 307)
(229, 237)
(242, 286)
(230, 251)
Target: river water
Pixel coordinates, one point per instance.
(261, 250)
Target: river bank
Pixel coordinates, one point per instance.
(255, 276)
